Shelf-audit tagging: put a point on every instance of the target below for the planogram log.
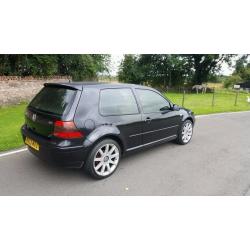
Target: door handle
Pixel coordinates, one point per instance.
(148, 119)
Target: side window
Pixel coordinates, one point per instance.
(151, 101)
(118, 102)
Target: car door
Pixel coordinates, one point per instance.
(160, 121)
(119, 107)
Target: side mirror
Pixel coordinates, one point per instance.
(165, 109)
(175, 107)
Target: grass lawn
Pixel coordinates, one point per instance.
(11, 120)
(202, 103)
(12, 117)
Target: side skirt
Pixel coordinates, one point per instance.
(169, 138)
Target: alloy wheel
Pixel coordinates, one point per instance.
(187, 132)
(106, 159)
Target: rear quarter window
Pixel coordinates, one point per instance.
(56, 100)
(117, 102)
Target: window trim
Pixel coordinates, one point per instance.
(155, 112)
(99, 102)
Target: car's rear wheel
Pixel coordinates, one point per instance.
(104, 159)
(185, 133)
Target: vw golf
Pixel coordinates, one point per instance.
(91, 125)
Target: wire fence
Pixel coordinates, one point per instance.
(211, 98)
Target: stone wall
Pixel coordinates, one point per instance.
(14, 90)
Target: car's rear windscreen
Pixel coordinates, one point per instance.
(55, 100)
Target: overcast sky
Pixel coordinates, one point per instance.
(116, 60)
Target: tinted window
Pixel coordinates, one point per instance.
(55, 100)
(117, 102)
(151, 101)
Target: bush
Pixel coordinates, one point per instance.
(245, 75)
(231, 80)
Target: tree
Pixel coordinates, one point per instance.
(241, 64)
(167, 69)
(129, 70)
(79, 67)
(102, 62)
(245, 75)
(202, 66)
(4, 65)
(39, 65)
(164, 69)
(242, 68)
(22, 65)
(155, 69)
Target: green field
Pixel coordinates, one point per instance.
(224, 101)
(12, 117)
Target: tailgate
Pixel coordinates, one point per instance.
(52, 103)
(40, 123)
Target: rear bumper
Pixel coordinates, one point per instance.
(70, 157)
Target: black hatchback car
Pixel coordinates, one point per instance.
(92, 125)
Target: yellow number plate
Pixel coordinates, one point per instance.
(32, 143)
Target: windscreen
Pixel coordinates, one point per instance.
(55, 100)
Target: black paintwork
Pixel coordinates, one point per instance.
(131, 131)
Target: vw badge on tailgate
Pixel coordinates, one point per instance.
(33, 117)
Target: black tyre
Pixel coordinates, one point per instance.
(103, 159)
(185, 133)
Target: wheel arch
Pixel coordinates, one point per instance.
(190, 119)
(114, 137)
(105, 132)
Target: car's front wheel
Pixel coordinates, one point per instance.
(104, 159)
(185, 133)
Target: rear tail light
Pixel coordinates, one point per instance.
(66, 130)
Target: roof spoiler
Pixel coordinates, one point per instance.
(64, 85)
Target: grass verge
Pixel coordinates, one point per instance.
(11, 120)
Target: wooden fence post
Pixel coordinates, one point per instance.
(183, 97)
(236, 97)
(213, 97)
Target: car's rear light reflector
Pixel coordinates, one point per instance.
(66, 130)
